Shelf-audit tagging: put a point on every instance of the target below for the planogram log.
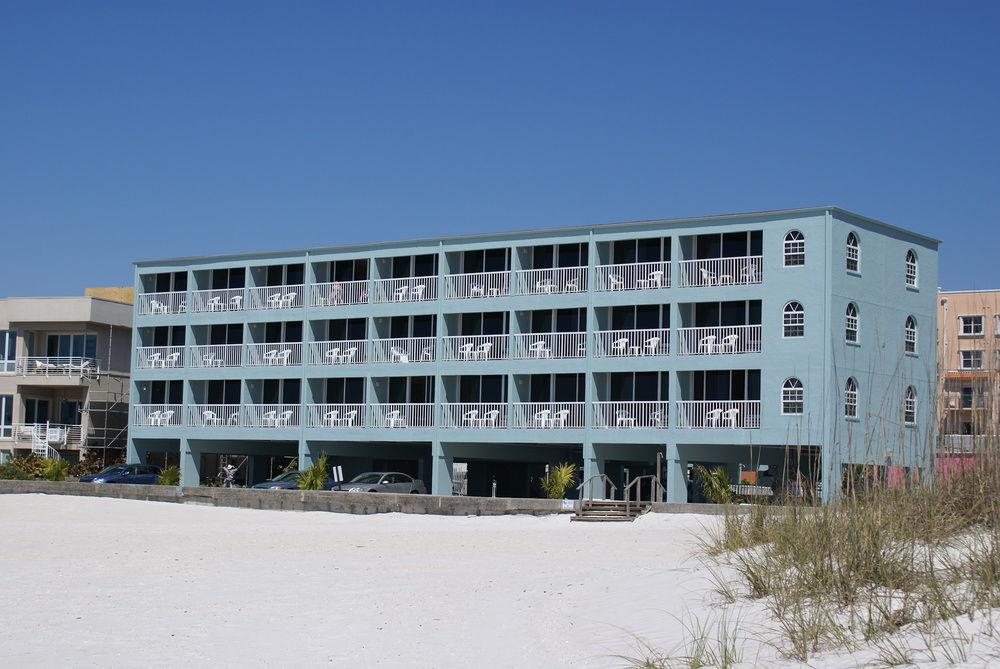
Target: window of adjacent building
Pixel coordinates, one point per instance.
(910, 406)
(6, 414)
(851, 398)
(795, 249)
(71, 345)
(972, 359)
(970, 325)
(851, 323)
(8, 350)
(794, 320)
(35, 410)
(911, 268)
(792, 397)
(910, 335)
(853, 253)
(968, 396)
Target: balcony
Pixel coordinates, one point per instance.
(401, 415)
(547, 415)
(474, 415)
(339, 293)
(475, 347)
(630, 415)
(275, 297)
(223, 299)
(214, 415)
(633, 276)
(54, 435)
(548, 345)
(151, 304)
(216, 355)
(275, 354)
(415, 289)
(272, 415)
(156, 415)
(549, 281)
(58, 366)
(480, 284)
(411, 349)
(741, 270)
(347, 352)
(710, 414)
(726, 339)
(152, 357)
(631, 343)
(336, 415)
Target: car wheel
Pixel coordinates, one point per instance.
(414, 492)
(373, 490)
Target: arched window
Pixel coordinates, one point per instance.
(910, 335)
(795, 249)
(792, 396)
(911, 268)
(851, 323)
(910, 406)
(853, 253)
(794, 320)
(851, 398)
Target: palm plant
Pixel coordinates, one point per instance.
(170, 476)
(314, 477)
(714, 484)
(54, 470)
(558, 479)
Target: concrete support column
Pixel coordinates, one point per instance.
(676, 480)
(441, 469)
(593, 465)
(190, 464)
(305, 455)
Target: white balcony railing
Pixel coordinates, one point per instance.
(151, 304)
(633, 276)
(413, 289)
(410, 349)
(630, 415)
(86, 368)
(214, 415)
(271, 415)
(151, 357)
(548, 345)
(480, 284)
(719, 340)
(335, 415)
(339, 292)
(216, 355)
(274, 354)
(401, 415)
(220, 299)
(275, 297)
(475, 347)
(55, 435)
(156, 415)
(631, 343)
(547, 415)
(474, 415)
(346, 352)
(554, 280)
(722, 271)
(738, 414)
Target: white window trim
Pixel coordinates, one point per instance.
(854, 403)
(856, 248)
(856, 318)
(906, 336)
(973, 351)
(784, 320)
(910, 407)
(916, 269)
(785, 399)
(786, 253)
(961, 325)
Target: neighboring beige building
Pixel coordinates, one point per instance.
(969, 357)
(64, 371)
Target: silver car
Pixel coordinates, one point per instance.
(386, 482)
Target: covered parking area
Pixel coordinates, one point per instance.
(501, 469)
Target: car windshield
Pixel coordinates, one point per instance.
(287, 476)
(367, 478)
(113, 469)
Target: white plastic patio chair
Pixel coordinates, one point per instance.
(476, 290)
(707, 344)
(330, 418)
(274, 301)
(616, 282)
(397, 354)
(728, 343)
(749, 273)
(483, 352)
(157, 307)
(542, 418)
(655, 279)
(399, 294)
(539, 350)
(729, 416)
(427, 354)
(470, 418)
(269, 419)
(154, 417)
(656, 419)
(619, 346)
(165, 417)
(572, 286)
(270, 357)
(284, 419)
(465, 351)
(707, 278)
(234, 418)
(544, 286)
(624, 418)
(332, 355)
(349, 417)
(210, 418)
(560, 417)
(712, 417)
(155, 359)
(417, 293)
(395, 419)
(288, 300)
(210, 360)
(284, 356)
(215, 304)
(652, 345)
(236, 302)
(491, 417)
(170, 361)
(348, 355)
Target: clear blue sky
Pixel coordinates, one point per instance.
(136, 130)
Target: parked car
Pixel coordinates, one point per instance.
(290, 481)
(384, 482)
(139, 474)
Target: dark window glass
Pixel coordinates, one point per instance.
(647, 316)
(425, 265)
(293, 331)
(158, 392)
(161, 336)
(401, 267)
(753, 384)
(756, 243)
(295, 275)
(706, 314)
(623, 251)
(473, 262)
(649, 250)
(623, 318)
(569, 320)
(399, 327)
(620, 387)
(423, 326)
(270, 391)
(162, 283)
(497, 260)
(237, 277)
(541, 388)
(541, 321)
(646, 386)
(709, 246)
(472, 324)
(567, 388)
(272, 333)
(275, 275)
(493, 389)
(541, 257)
(216, 392)
(753, 317)
(733, 313)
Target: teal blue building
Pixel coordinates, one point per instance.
(788, 343)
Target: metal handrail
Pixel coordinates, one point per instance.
(654, 487)
(605, 481)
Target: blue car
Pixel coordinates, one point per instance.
(139, 474)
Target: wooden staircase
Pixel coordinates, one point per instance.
(609, 511)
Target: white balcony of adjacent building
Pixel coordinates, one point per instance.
(275, 297)
(347, 352)
(480, 415)
(413, 289)
(271, 415)
(336, 415)
(550, 281)
(214, 415)
(479, 284)
(159, 357)
(631, 343)
(630, 415)
(475, 347)
(57, 366)
(152, 304)
(408, 349)
(42, 436)
(720, 340)
(337, 293)
(276, 354)
(633, 276)
(546, 345)
(401, 415)
(156, 415)
(547, 415)
(734, 271)
(216, 355)
(218, 300)
(718, 414)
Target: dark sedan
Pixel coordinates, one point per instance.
(138, 474)
(290, 481)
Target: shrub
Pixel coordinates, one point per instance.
(30, 464)
(559, 478)
(714, 484)
(314, 478)
(54, 470)
(12, 472)
(170, 476)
